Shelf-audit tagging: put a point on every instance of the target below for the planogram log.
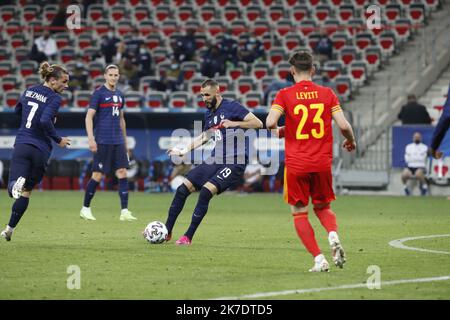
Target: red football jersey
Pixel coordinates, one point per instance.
(308, 110)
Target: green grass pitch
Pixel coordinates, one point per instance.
(246, 245)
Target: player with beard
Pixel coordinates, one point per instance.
(212, 178)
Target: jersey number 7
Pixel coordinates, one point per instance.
(317, 119)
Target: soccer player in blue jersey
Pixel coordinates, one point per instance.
(106, 131)
(37, 107)
(441, 129)
(212, 178)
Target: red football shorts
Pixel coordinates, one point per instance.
(298, 187)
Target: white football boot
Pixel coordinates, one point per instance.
(337, 252)
(7, 233)
(320, 264)
(86, 214)
(17, 188)
(125, 215)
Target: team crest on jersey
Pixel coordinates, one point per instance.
(215, 119)
(115, 98)
(222, 116)
(100, 165)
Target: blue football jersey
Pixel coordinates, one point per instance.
(107, 105)
(230, 143)
(38, 106)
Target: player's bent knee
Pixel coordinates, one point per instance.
(121, 173)
(183, 191)
(211, 187)
(322, 206)
(189, 185)
(97, 176)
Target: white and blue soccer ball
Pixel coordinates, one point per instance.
(155, 232)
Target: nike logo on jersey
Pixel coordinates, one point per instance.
(109, 98)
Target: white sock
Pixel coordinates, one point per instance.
(333, 237)
(319, 258)
(9, 229)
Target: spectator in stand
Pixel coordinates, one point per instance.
(187, 46)
(44, 48)
(144, 61)
(324, 48)
(415, 157)
(213, 63)
(251, 49)
(174, 76)
(133, 44)
(58, 23)
(130, 72)
(109, 46)
(79, 77)
(228, 46)
(414, 113)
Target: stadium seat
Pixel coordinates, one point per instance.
(283, 69)
(245, 84)
(133, 100)
(292, 40)
(235, 72)
(252, 99)
(125, 27)
(32, 81)
(387, 43)
(215, 28)
(9, 83)
(392, 12)
(82, 98)
(8, 12)
(28, 67)
(358, 72)
(333, 68)
(85, 40)
(102, 27)
(253, 13)
(13, 27)
(299, 12)
(261, 27)
(199, 103)
(238, 27)
(276, 55)
(363, 40)
(5, 54)
(343, 86)
(156, 100)
(194, 85)
(322, 12)
(6, 68)
(276, 13)
(119, 12)
(185, 13)
(402, 29)
(372, 55)
(207, 13)
(230, 95)
(348, 54)
(66, 99)
(142, 13)
(190, 69)
(180, 99)
(416, 12)
(339, 39)
(162, 13)
(230, 13)
(331, 26)
(267, 81)
(30, 12)
(307, 26)
(95, 69)
(283, 27)
(97, 12)
(225, 83)
(261, 69)
(63, 40)
(11, 98)
(345, 12)
(18, 40)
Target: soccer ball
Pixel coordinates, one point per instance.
(155, 232)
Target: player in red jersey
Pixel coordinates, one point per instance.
(309, 109)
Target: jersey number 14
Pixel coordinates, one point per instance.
(115, 111)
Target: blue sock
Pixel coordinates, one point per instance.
(18, 209)
(123, 193)
(90, 192)
(177, 205)
(199, 212)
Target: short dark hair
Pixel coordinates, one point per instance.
(301, 60)
(412, 98)
(210, 82)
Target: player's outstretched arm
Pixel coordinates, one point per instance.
(89, 122)
(197, 142)
(249, 122)
(346, 130)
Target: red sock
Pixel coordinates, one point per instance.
(327, 218)
(306, 232)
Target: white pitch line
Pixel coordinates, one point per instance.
(399, 243)
(346, 286)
